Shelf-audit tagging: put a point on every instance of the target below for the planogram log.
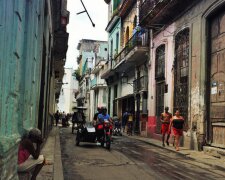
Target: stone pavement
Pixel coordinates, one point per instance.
(52, 152)
(198, 156)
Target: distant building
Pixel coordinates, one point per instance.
(93, 54)
(67, 94)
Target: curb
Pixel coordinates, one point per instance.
(58, 168)
(178, 152)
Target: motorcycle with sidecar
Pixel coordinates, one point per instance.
(101, 133)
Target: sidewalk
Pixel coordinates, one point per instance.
(52, 152)
(198, 156)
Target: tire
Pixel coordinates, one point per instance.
(78, 140)
(108, 144)
(102, 143)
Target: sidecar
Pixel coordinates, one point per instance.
(85, 133)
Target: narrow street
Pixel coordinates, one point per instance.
(128, 159)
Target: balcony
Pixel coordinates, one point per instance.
(162, 11)
(95, 84)
(135, 51)
(107, 70)
(140, 84)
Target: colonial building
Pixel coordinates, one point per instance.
(93, 54)
(69, 87)
(127, 68)
(186, 67)
(29, 61)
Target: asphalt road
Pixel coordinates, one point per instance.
(128, 159)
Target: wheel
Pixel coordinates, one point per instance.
(108, 144)
(77, 139)
(102, 143)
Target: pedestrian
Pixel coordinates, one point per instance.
(96, 116)
(165, 120)
(130, 124)
(29, 158)
(63, 119)
(74, 120)
(124, 120)
(56, 118)
(177, 125)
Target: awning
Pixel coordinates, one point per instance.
(124, 97)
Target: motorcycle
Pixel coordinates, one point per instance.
(103, 133)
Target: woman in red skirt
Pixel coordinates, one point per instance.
(177, 125)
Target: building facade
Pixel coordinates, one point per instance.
(187, 64)
(92, 54)
(126, 70)
(27, 63)
(67, 99)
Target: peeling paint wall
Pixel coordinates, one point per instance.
(23, 24)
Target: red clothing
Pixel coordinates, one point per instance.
(177, 131)
(165, 128)
(26, 148)
(23, 155)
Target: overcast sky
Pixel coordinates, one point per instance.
(80, 27)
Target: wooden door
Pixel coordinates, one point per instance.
(217, 80)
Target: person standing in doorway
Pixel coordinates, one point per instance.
(165, 120)
(177, 125)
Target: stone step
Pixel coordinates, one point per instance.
(214, 151)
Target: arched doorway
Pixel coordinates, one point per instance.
(216, 80)
(181, 69)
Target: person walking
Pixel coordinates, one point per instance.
(56, 118)
(74, 121)
(165, 120)
(130, 124)
(124, 120)
(64, 119)
(177, 125)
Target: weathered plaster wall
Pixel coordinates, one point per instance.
(21, 40)
(195, 19)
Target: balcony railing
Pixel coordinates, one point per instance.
(146, 7)
(137, 40)
(162, 11)
(140, 84)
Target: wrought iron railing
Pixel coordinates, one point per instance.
(139, 39)
(140, 84)
(146, 7)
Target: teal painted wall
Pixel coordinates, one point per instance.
(112, 37)
(23, 24)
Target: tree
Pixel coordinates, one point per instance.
(77, 74)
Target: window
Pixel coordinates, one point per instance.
(160, 62)
(117, 42)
